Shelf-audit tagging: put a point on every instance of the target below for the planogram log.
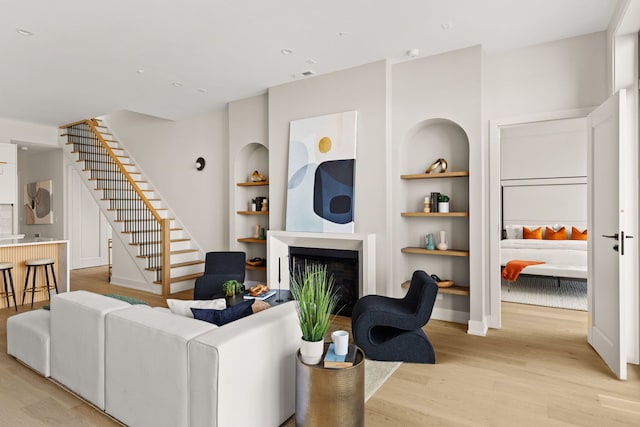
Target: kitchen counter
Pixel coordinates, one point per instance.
(18, 251)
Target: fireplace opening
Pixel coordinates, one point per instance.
(342, 264)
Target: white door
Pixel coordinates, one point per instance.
(609, 224)
(89, 229)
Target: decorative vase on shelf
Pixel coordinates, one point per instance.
(429, 242)
(311, 351)
(443, 207)
(442, 245)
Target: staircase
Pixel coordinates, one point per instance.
(167, 257)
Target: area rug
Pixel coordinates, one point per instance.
(375, 374)
(544, 291)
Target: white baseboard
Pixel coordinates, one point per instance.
(135, 284)
(449, 315)
(478, 328)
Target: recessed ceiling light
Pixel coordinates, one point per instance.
(24, 148)
(311, 61)
(177, 84)
(446, 25)
(286, 51)
(342, 33)
(23, 32)
(203, 90)
(140, 71)
(412, 53)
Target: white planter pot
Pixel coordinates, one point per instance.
(311, 351)
(443, 207)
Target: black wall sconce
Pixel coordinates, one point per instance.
(200, 163)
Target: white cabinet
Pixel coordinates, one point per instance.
(8, 174)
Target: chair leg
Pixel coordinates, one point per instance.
(6, 288)
(13, 290)
(26, 284)
(33, 285)
(55, 282)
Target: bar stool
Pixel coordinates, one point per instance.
(34, 264)
(6, 268)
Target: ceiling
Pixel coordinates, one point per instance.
(176, 59)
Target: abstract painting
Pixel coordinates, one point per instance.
(322, 153)
(37, 203)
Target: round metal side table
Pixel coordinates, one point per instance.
(330, 397)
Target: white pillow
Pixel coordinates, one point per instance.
(183, 307)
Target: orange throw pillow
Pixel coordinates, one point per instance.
(532, 234)
(577, 234)
(561, 234)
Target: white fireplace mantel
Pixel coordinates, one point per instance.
(278, 243)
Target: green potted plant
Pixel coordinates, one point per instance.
(231, 287)
(316, 298)
(443, 203)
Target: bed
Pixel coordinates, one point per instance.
(562, 258)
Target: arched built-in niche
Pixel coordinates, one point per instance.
(251, 157)
(425, 143)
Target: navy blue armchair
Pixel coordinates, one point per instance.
(390, 329)
(218, 268)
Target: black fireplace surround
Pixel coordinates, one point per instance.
(342, 264)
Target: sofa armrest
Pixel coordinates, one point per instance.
(249, 360)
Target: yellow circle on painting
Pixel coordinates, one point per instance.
(324, 145)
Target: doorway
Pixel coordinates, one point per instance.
(529, 185)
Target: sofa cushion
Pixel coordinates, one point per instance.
(182, 307)
(222, 317)
(78, 341)
(218, 372)
(146, 363)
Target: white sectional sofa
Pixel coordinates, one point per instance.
(148, 367)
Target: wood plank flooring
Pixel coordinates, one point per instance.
(538, 370)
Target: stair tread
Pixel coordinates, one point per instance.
(140, 209)
(137, 220)
(178, 265)
(180, 252)
(148, 231)
(181, 278)
(156, 242)
(114, 198)
(120, 189)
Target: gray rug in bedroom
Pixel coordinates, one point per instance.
(544, 291)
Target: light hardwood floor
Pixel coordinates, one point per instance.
(537, 370)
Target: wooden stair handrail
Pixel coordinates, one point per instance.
(164, 223)
(120, 165)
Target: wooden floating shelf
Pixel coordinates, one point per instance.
(256, 267)
(423, 251)
(435, 214)
(252, 184)
(252, 213)
(252, 240)
(453, 290)
(435, 175)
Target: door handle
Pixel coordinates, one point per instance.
(615, 236)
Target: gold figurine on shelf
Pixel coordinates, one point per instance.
(442, 163)
(257, 177)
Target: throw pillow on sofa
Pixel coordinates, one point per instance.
(183, 307)
(222, 317)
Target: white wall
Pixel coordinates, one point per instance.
(446, 86)
(166, 152)
(363, 89)
(555, 76)
(18, 131)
